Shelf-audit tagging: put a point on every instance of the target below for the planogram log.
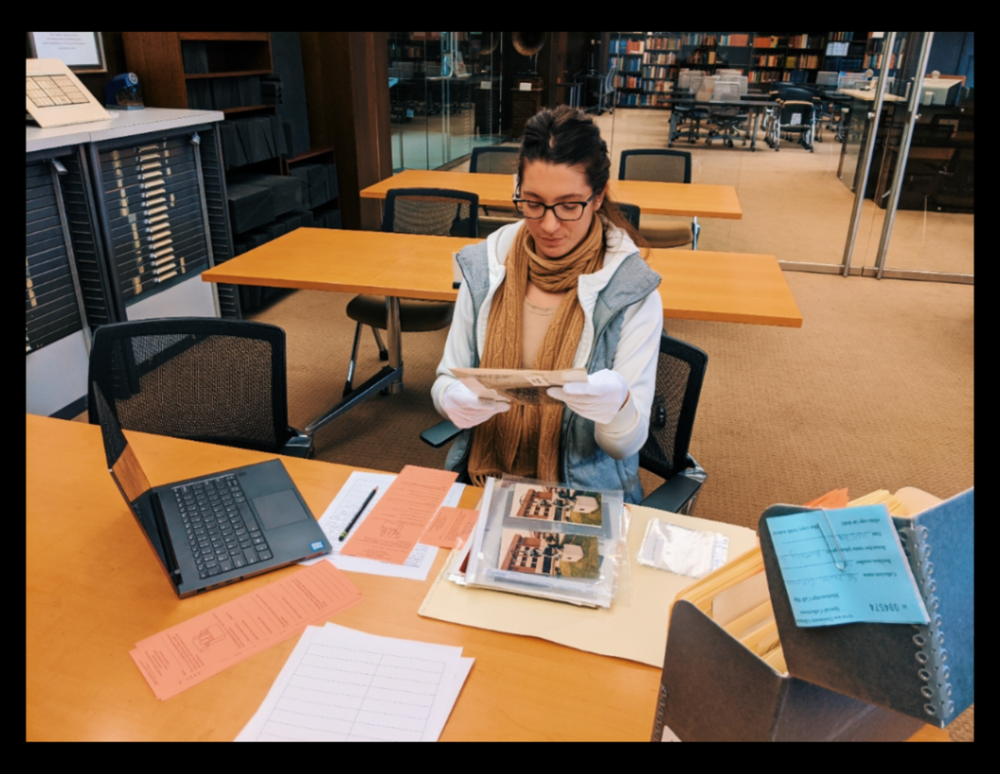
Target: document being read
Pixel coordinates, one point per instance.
(342, 685)
(845, 566)
(343, 508)
(517, 386)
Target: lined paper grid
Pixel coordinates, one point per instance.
(340, 685)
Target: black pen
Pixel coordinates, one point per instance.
(361, 510)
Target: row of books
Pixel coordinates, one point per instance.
(738, 39)
(651, 71)
(659, 59)
(875, 61)
(646, 85)
(806, 41)
(625, 64)
(841, 36)
(640, 100)
(700, 39)
(627, 46)
(663, 44)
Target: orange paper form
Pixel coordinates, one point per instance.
(397, 521)
(836, 498)
(450, 525)
(186, 654)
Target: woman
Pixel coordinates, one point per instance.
(564, 288)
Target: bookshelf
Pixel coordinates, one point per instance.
(875, 57)
(648, 62)
(845, 51)
(789, 57)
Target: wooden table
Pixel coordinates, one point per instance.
(697, 285)
(94, 588)
(688, 199)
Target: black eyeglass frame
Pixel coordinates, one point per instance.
(517, 200)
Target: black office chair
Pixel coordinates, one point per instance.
(680, 373)
(496, 160)
(689, 118)
(198, 378)
(664, 166)
(794, 118)
(435, 211)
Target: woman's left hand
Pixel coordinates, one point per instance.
(599, 398)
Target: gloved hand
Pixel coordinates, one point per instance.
(599, 398)
(466, 409)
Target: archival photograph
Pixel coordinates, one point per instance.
(556, 503)
(513, 386)
(549, 553)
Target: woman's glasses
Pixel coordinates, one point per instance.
(563, 210)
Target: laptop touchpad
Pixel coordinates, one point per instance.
(278, 509)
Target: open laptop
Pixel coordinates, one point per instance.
(219, 529)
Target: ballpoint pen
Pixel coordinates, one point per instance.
(361, 510)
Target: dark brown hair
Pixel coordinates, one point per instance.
(569, 136)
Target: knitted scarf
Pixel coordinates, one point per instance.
(524, 441)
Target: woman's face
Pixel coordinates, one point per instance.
(550, 184)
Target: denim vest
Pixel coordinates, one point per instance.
(584, 464)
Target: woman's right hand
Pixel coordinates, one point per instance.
(466, 409)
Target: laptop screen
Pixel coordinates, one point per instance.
(122, 462)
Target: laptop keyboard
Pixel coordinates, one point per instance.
(220, 528)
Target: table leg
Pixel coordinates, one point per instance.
(673, 127)
(756, 123)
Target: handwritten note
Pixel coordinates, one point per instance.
(856, 572)
(396, 523)
(450, 525)
(186, 654)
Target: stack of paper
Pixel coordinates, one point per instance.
(341, 685)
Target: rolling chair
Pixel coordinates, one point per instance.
(689, 115)
(497, 160)
(794, 117)
(728, 119)
(198, 378)
(434, 211)
(680, 373)
(664, 166)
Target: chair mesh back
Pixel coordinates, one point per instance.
(795, 114)
(219, 381)
(659, 167)
(680, 372)
(497, 161)
(427, 211)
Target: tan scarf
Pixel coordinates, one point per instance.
(525, 440)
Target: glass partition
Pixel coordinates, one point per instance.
(444, 94)
(932, 228)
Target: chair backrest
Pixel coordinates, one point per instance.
(795, 113)
(680, 372)
(631, 213)
(495, 159)
(435, 211)
(658, 164)
(199, 378)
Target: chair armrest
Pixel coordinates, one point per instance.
(440, 434)
(674, 495)
(299, 445)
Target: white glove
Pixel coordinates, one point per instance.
(466, 409)
(599, 398)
